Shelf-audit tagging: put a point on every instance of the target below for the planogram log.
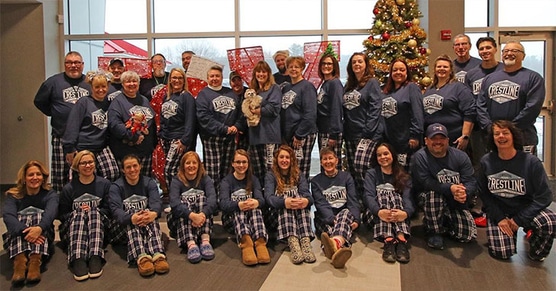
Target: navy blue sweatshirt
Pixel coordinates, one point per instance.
(362, 108)
(87, 127)
(516, 188)
(178, 188)
(57, 96)
(375, 182)
(121, 190)
(277, 200)
(100, 187)
(474, 77)
(299, 110)
(149, 86)
(329, 108)
(333, 194)
(461, 69)
(268, 129)
(216, 111)
(232, 191)
(46, 200)
(178, 119)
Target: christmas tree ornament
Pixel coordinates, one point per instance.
(400, 2)
(412, 43)
(378, 24)
(423, 51)
(375, 11)
(426, 81)
(408, 24)
(416, 21)
(385, 35)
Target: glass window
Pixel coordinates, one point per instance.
(257, 15)
(348, 45)
(474, 37)
(526, 13)
(476, 13)
(358, 12)
(193, 16)
(108, 16)
(92, 49)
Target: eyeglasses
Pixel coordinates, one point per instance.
(86, 163)
(176, 78)
(73, 63)
(513, 51)
(327, 64)
(240, 162)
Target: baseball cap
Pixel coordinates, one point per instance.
(112, 61)
(233, 74)
(436, 128)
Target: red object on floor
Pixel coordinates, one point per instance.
(481, 221)
(528, 235)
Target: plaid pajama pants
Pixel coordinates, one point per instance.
(182, 228)
(296, 222)
(341, 227)
(383, 229)
(17, 244)
(143, 240)
(59, 168)
(250, 222)
(303, 154)
(86, 235)
(544, 231)
(261, 159)
(323, 142)
(359, 155)
(438, 216)
(172, 160)
(107, 167)
(219, 152)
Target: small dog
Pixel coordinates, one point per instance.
(250, 102)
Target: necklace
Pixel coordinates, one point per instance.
(163, 79)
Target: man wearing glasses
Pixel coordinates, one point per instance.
(149, 86)
(55, 98)
(463, 61)
(514, 93)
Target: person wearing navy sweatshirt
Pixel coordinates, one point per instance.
(402, 109)
(131, 124)
(463, 62)
(177, 123)
(84, 213)
(87, 127)
(363, 124)
(299, 114)
(443, 179)
(150, 86)
(55, 98)
(218, 113)
(29, 212)
(329, 105)
(193, 203)
(450, 103)
(338, 209)
(241, 197)
(388, 198)
(473, 79)
(265, 137)
(515, 193)
(515, 93)
(136, 205)
(287, 192)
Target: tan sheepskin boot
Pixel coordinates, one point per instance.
(248, 256)
(20, 266)
(263, 257)
(34, 268)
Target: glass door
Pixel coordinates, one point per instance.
(539, 49)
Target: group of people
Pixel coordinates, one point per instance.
(405, 149)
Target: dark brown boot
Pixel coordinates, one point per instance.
(34, 268)
(263, 257)
(20, 266)
(248, 256)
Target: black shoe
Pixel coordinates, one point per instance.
(402, 253)
(389, 252)
(436, 241)
(80, 270)
(95, 266)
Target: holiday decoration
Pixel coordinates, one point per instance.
(243, 60)
(137, 123)
(312, 52)
(396, 34)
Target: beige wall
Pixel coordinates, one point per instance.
(23, 133)
(448, 14)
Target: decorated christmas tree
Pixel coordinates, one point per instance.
(396, 34)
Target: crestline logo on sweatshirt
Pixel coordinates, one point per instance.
(224, 104)
(240, 195)
(141, 110)
(433, 103)
(386, 193)
(291, 192)
(72, 94)
(352, 99)
(86, 199)
(505, 184)
(288, 98)
(135, 202)
(113, 95)
(336, 196)
(169, 109)
(320, 96)
(99, 119)
(389, 107)
(503, 91)
(460, 76)
(446, 176)
(477, 86)
(191, 196)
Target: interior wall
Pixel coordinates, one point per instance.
(447, 15)
(23, 127)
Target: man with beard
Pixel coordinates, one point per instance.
(186, 59)
(463, 61)
(281, 76)
(149, 86)
(443, 178)
(55, 98)
(514, 93)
